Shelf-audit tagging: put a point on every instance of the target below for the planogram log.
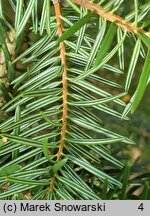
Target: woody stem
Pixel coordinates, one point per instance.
(64, 89)
(119, 21)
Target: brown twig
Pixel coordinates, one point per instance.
(64, 82)
(64, 90)
(130, 27)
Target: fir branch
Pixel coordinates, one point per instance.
(107, 15)
(56, 133)
(64, 81)
(64, 88)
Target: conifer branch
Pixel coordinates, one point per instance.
(130, 27)
(49, 121)
(64, 86)
(64, 80)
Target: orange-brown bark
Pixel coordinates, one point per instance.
(64, 81)
(130, 27)
(64, 90)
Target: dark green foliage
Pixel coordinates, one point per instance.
(88, 169)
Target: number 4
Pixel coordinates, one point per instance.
(141, 207)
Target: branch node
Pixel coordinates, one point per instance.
(56, 1)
